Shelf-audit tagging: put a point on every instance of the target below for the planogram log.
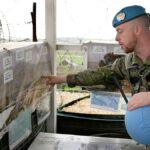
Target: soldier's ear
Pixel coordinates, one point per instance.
(137, 29)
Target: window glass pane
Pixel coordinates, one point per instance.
(90, 19)
(16, 21)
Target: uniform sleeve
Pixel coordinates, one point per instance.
(119, 68)
(102, 75)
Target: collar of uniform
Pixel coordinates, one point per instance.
(138, 61)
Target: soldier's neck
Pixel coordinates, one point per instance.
(143, 51)
(144, 56)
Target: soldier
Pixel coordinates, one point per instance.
(133, 35)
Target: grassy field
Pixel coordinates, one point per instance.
(69, 62)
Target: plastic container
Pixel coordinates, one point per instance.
(90, 124)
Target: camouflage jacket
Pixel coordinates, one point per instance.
(129, 68)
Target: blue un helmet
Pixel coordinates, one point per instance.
(128, 13)
(137, 123)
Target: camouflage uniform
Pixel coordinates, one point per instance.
(130, 68)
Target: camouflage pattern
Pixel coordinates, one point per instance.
(91, 77)
(134, 71)
(129, 68)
